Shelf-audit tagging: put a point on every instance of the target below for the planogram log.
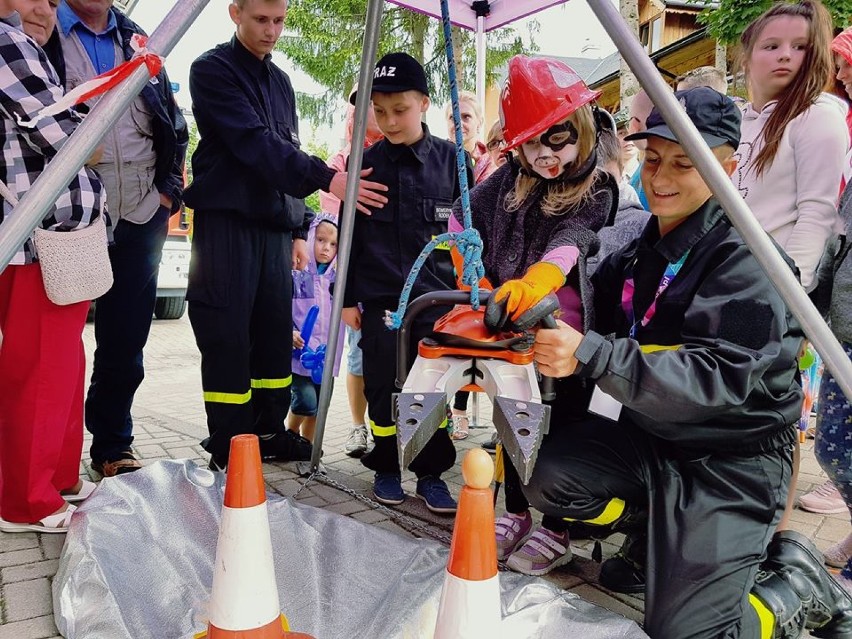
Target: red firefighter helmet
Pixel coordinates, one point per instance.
(539, 93)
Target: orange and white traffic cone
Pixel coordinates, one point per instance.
(470, 599)
(244, 602)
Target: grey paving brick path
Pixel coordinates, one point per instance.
(169, 422)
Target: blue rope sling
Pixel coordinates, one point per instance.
(468, 242)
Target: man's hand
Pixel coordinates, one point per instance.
(352, 317)
(166, 201)
(555, 348)
(298, 342)
(369, 193)
(300, 255)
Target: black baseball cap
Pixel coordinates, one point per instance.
(715, 116)
(395, 73)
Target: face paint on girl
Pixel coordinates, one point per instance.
(550, 153)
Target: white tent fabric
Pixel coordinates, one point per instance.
(480, 16)
(464, 14)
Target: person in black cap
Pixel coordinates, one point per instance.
(694, 361)
(420, 172)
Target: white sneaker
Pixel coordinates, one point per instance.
(356, 444)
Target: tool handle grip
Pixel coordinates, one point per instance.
(548, 392)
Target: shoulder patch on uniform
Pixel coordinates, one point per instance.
(746, 322)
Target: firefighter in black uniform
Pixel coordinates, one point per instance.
(249, 176)
(699, 364)
(420, 172)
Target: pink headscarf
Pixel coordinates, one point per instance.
(842, 46)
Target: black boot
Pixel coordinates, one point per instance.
(625, 572)
(285, 446)
(828, 608)
(785, 604)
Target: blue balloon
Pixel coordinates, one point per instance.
(314, 361)
(307, 329)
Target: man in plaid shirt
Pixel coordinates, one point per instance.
(42, 362)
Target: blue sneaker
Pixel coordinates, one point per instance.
(387, 487)
(435, 493)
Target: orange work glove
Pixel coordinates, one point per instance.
(516, 297)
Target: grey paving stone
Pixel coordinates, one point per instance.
(834, 528)
(370, 516)
(151, 450)
(19, 557)
(24, 572)
(37, 628)
(27, 599)
(21, 541)
(330, 495)
(286, 487)
(314, 500)
(182, 452)
(51, 545)
(347, 507)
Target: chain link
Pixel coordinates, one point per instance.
(405, 522)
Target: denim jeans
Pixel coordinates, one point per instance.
(305, 395)
(122, 322)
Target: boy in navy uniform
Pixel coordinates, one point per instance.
(420, 173)
(696, 352)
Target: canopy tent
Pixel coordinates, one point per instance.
(480, 16)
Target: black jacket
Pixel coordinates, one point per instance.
(715, 368)
(171, 135)
(248, 159)
(422, 181)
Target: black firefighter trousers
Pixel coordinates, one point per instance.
(378, 344)
(710, 517)
(240, 308)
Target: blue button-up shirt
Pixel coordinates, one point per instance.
(99, 46)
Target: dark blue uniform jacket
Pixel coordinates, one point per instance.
(248, 159)
(422, 181)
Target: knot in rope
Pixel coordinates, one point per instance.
(469, 244)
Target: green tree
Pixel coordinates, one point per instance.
(193, 143)
(731, 17)
(321, 150)
(324, 39)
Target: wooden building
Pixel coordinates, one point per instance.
(673, 38)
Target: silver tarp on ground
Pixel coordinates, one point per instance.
(138, 564)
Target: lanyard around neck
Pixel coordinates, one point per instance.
(627, 291)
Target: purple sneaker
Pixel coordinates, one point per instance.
(512, 530)
(541, 553)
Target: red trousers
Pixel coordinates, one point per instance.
(42, 372)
